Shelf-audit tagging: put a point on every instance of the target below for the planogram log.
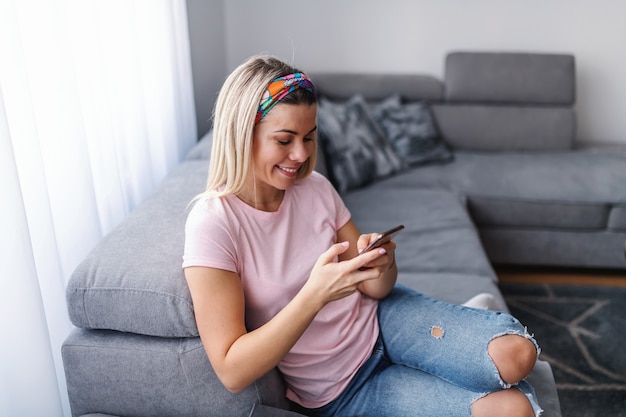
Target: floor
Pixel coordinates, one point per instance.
(563, 276)
(577, 317)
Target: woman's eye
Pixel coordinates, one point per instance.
(284, 142)
(308, 139)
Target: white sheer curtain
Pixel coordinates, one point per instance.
(96, 106)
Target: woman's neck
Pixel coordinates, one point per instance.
(266, 201)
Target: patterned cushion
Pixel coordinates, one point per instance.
(411, 130)
(356, 149)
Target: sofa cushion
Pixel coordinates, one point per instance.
(261, 410)
(127, 374)
(566, 248)
(356, 150)
(542, 379)
(97, 415)
(439, 235)
(438, 285)
(510, 78)
(617, 218)
(571, 190)
(411, 130)
(133, 281)
(494, 128)
(512, 211)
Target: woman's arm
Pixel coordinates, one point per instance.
(384, 265)
(238, 357)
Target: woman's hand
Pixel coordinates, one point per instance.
(332, 280)
(383, 263)
(384, 266)
(372, 273)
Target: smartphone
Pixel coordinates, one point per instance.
(385, 237)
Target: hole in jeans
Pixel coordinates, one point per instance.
(436, 332)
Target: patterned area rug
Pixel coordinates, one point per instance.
(582, 333)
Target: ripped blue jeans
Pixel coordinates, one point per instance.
(430, 360)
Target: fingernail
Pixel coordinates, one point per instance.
(382, 251)
(345, 244)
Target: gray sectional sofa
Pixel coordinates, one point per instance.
(514, 192)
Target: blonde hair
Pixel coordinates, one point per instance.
(233, 123)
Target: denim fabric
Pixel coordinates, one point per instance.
(430, 360)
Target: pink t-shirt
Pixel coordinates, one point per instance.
(273, 254)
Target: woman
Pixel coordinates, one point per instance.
(273, 264)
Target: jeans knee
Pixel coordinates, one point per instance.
(508, 402)
(514, 357)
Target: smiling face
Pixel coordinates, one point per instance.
(283, 141)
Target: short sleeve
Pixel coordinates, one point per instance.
(208, 239)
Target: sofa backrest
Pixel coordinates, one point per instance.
(520, 78)
(376, 87)
(489, 100)
(508, 101)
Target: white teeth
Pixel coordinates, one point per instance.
(291, 170)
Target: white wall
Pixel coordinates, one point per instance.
(415, 35)
(208, 56)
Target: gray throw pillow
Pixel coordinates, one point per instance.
(356, 150)
(411, 130)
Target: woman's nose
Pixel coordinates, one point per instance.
(299, 152)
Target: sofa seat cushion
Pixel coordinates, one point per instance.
(503, 211)
(573, 190)
(261, 410)
(438, 284)
(564, 248)
(439, 236)
(125, 374)
(133, 281)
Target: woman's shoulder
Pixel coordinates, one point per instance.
(208, 209)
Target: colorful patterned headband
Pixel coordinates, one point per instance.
(279, 88)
